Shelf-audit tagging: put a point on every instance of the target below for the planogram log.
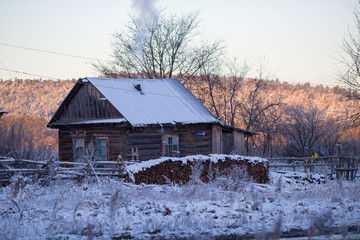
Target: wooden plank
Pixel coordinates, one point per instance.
(146, 147)
(146, 152)
(30, 161)
(116, 149)
(63, 147)
(227, 143)
(145, 136)
(216, 135)
(148, 157)
(200, 149)
(193, 136)
(116, 145)
(239, 143)
(25, 170)
(116, 139)
(184, 154)
(195, 140)
(143, 141)
(195, 145)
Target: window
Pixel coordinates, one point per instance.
(78, 148)
(102, 149)
(171, 146)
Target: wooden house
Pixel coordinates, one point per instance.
(139, 119)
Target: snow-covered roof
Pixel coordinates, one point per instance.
(160, 101)
(96, 121)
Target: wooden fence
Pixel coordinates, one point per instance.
(339, 166)
(43, 169)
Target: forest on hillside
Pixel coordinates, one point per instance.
(293, 119)
(30, 103)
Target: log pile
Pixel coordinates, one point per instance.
(180, 172)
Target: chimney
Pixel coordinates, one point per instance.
(138, 87)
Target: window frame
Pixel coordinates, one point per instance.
(165, 145)
(106, 147)
(75, 148)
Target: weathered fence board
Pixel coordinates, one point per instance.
(338, 165)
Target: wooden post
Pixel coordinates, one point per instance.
(135, 154)
(216, 135)
(293, 163)
(338, 152)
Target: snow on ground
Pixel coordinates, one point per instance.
(228, 206)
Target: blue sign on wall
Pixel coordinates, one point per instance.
(200, 134)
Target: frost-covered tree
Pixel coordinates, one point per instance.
(160, 46)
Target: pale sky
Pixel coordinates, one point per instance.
(299, 38)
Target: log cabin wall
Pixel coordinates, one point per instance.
(115, 142)
(65, 146)
(193, 139)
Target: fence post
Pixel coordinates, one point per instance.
(338, 152)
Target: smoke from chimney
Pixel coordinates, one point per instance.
(146, 17)
(146, 10)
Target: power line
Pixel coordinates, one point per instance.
(52, 52)
(30, 74)
(7, 69)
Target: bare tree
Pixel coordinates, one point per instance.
(304, 128)
(219, 87)
(310, 129)
(161, 47)
(349, 59)
(268, 141)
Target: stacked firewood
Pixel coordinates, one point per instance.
(179, 172)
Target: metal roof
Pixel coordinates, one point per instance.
(153, 101)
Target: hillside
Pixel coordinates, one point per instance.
(31, 103)
(33, 97)
(42, 98)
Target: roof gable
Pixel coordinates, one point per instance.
(84, 104)
(160, 101)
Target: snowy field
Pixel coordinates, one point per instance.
(228, 208)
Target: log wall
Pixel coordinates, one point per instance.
(193, 140)
(115, 137)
